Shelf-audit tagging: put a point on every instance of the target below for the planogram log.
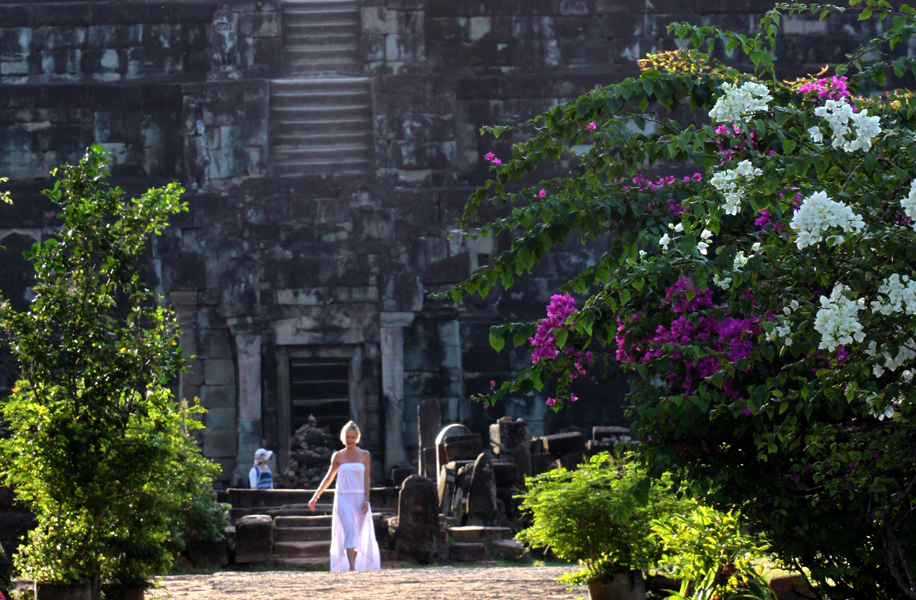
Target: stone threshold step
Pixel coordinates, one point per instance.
(475, 534)
(302, 548)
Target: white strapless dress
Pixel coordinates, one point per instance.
(350, 528)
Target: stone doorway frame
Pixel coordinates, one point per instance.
(351, 352)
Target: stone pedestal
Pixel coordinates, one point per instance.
(511, 441)
(253, 539)
(418, 520)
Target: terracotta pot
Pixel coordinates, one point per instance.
(52, 591)
(627, 585)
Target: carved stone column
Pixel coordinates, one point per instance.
(185, 305)
(248, 351)
(392, 346)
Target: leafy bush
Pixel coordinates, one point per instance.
(706, 545)
(98, 448)
(599, 515)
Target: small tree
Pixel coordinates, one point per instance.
(763, 308)
(98, 447)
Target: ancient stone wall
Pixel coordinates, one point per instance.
(274, 267)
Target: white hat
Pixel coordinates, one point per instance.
(261, 455)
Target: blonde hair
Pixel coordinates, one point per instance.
(350, 426)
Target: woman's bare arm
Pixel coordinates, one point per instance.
(326, 482)
(366, 462)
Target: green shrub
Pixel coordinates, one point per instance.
(706, 549)
(599, 516)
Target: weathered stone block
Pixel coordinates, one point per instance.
(541, 463)
(418, 520)
(609, 433)
(482, 494)
(253, 539)
(569, 461)
(219, 371)
(509, 436)
(511, 550)
(400, 474)
(221, 418)
(505, 473)
(462, 447)
(467, 552)
(563, 443)
(217, 396)
(221, 443)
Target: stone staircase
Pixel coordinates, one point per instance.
(301, 537)
(321, 113)
(302, 540)
(320, 36)
(321, 125)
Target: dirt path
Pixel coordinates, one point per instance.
(434, 583)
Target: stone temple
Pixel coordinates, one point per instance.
(328, 147)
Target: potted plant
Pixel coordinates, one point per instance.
(600, 516)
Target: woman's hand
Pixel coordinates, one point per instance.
(365, 507)
(312, 502)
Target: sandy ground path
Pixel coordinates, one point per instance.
(433, 583)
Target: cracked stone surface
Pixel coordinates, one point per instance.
(433, 583)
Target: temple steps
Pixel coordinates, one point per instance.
(321, 36)
(321, 113)
(321, 125)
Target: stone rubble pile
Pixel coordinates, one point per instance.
(310, 450)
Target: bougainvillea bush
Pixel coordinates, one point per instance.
(761, 301)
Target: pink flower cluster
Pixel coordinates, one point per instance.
(746, 141)
(544, 340)
(833, 88)
(492, 158)
(643, 183)
(729, 336)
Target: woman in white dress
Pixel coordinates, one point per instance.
(353, 545)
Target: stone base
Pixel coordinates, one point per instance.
(467, 552)
(511, 550)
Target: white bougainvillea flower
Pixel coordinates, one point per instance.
(909, 204)
(729, 183)
(899, 296)
(837, 320)
(843, 123)
(818, 213)
(739, 102)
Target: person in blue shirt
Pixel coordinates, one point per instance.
(260, 477)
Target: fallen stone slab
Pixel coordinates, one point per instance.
(563, 443)
(609, 432)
